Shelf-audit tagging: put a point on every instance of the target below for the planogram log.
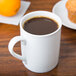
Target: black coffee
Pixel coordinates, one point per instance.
(40, 25)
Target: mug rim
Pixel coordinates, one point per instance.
(44, 16)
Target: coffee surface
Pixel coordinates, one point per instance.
(40, 26)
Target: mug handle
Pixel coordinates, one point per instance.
(12, 42)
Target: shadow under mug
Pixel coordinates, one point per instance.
(40, 53)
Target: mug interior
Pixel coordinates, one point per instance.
(41, 14)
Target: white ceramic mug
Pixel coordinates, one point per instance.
(40, 53)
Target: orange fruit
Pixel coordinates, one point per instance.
(9, 7)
